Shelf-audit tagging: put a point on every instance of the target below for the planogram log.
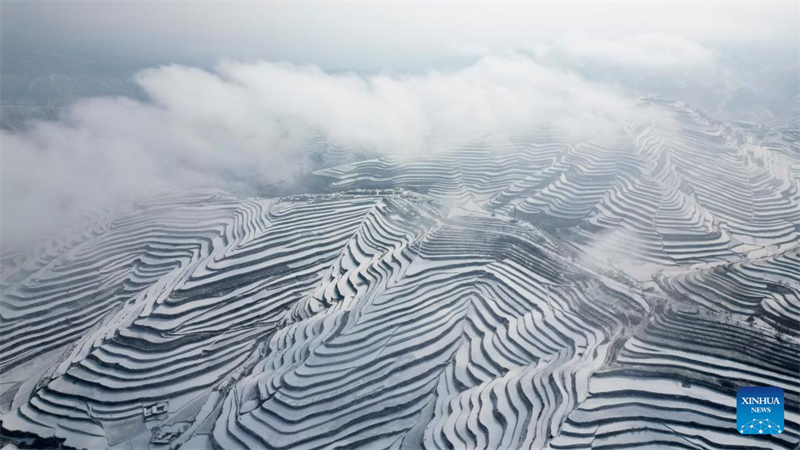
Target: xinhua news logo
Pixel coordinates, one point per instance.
(759, 410)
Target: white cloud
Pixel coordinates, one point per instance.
(649, 51)
(246, 124)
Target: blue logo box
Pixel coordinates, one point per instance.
(759, 410)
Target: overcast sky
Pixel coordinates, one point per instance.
(370, 36)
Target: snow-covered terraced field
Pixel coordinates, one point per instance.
(524, 291)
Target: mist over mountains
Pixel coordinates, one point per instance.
(98, 129)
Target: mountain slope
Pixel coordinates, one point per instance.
(531, 290)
